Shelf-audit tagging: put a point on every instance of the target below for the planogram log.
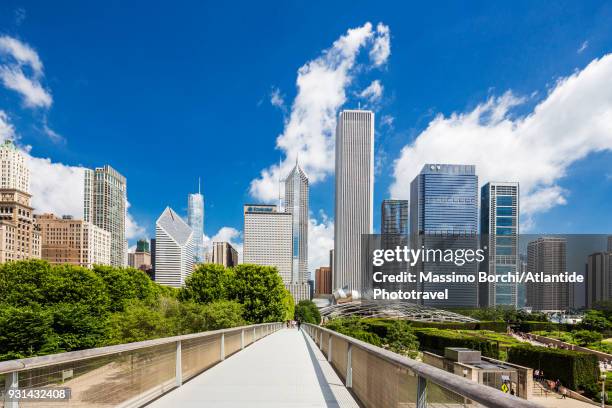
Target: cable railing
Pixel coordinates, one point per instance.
(381, 378)
(124, 375)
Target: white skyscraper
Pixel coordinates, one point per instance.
(296, 202)
(354, 194)
(106, 207)
(195, 219)
(15, 173)
(268, 238)
(173, 249)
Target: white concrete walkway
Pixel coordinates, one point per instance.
(285, 369)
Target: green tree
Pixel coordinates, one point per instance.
(595, 321)
(137, 322)
(126, 284)
(401, 339)
(208, 283)
(289, 305)
(261, 290)
(25, 331)
(222, 314)
(307, 312)
(586, 337)
(21, 282)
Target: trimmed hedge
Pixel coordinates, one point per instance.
(528, 327)
(435, 341)
(576, 370)
(499, 327)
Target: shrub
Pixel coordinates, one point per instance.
(436, 340)
(576, 370)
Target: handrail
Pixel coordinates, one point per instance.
(70, 356)
(482, 394)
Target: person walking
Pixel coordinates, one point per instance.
(299, 324)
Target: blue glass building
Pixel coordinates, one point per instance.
(444, 215)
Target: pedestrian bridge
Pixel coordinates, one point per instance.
(262, 365)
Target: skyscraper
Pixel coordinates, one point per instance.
(296, 202)
(499, 228)
(173, 249)
(223, 253)
(394, 217)
(354, 195)
(69, 241)
(610, 243)
(444, 215)
(598, 282)
(105, 206)
(195, 219)
(547, 255)
(19, 234)
(268, 238)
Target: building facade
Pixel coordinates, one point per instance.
(268, 235)
(394, 217)
(195, 219)
(141, 257)
(19, 234)
(174, 258)
(223, 253)
(444, 215)
(598, 282)
(354, 195)
(323, 281)
(499, 229)
(105, 205)
(76, 242)
(296, 202)
(547, 255)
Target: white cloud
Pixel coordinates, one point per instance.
(16, 56)
(536, 149)
(56, 188)
(309, 129)
(387, 120)
(320, 241)
(132, 229)
(225, 234)
(583, 47)
(7, 130)
(277, 99)
(379, 54)
(373, 92)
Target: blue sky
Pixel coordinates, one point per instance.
(167, 93)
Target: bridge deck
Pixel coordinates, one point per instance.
(285, 369)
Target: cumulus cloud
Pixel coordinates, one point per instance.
(21, 70)
(321, 91)
(373, 92)
(536, 149)
(379, 54)
(320, 241)
(7, 130)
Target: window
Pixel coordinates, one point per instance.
(503, 251)
(503, 241)
(504, 221)
(504, 231)
(504, 201)
(504, 211)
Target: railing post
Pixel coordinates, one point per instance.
(179, 364)
(321, 340)
(329, 348)
(11, 381)
(254, 334)
(222, 346)
(349, 366)
(421, 392)
(242, 339)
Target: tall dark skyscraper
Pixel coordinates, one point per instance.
(444, 215)
(394, 217)
(547, 255)
(598, 282)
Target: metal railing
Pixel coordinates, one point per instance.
(381, 378)
(125, 375)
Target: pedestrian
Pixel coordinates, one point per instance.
(536, 374)
(557, 385)
(299, 324)
(564, 392)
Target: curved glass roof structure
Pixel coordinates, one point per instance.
(397, 310)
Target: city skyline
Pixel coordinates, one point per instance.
(75, 119)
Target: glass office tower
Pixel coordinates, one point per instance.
(195, 219)
(499, 227)
(444, 215)
(394, 217)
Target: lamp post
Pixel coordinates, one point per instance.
(603, 390)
